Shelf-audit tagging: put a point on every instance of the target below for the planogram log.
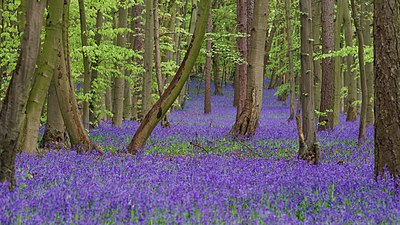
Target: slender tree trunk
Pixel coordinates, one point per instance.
(65, 94)
(160, 77)
(54, 135)
(18, 91)
(86, 66)
(43, 76)
(119, 82)
(387, 78)
(308, 146)
(316, 32)
(338, 62)
(174, 89)
(246, 124)
(207, 69)
(138, 43)
(290, 58)
(349, 75)
(148, 57)
(242, 50)
(216, 72)
(328, 75)
(360, 38)
(369, 66)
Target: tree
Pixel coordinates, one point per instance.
(361, 63)
(338, 61)
(18, 91)
(387, 78)
(308, 146)
(316, 32)
(207, 67)
(247, 122)
(328, 75)
(290, 59)
(166, 100)
(148, 56)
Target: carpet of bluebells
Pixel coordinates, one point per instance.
(195, 173)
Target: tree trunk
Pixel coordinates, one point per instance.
(369, 67)
(360, 38)
(43, 76)
(18, 91)
(290, 59)
(308, 146)
(349, 75)
(86, 66)
(138, 43)
(160, 77)
(216, 73)
(338, 62)
(316, 32)
(148, 57)
(328, 75)
(54, 135)
(119, 82)
(242, 50)
(174, 89)
(207, 69)
(387, 92)
(246, 124)
(65, 94)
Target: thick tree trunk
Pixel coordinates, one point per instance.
(119, 82)
(349, 75)
(308, 146)
(242, 50)
(86, 66)
(207, 69)
(18, 91)
(55, 135)
(174, 89)
(246, 124)
(148, 57)
(360, 38)
(387, 92)
(290, 59)
(43, 76)
(328, 75)
(316, 32)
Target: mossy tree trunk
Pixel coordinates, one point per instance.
(165, 102)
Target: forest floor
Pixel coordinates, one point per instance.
(194, 173)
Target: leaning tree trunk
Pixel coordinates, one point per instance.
(308, 146)
(65, 94)
(165, 102)
(18, 91)
(246, 124)
(387, 92)
(328, 75)
(43, 75)
(207, 69)
(361, 63)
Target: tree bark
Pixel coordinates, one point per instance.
(207, 69)
(18, 91)
(290, 59)
(328, 75)
(242, 50)
(246, 124)
(360, 38)
(119, 82)
(308, 146)
(148, 57)
(338, 62)
(316, 32)
(349, 75)
(174, 89)
(43, 76)
(86, 66)
(387, 92)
